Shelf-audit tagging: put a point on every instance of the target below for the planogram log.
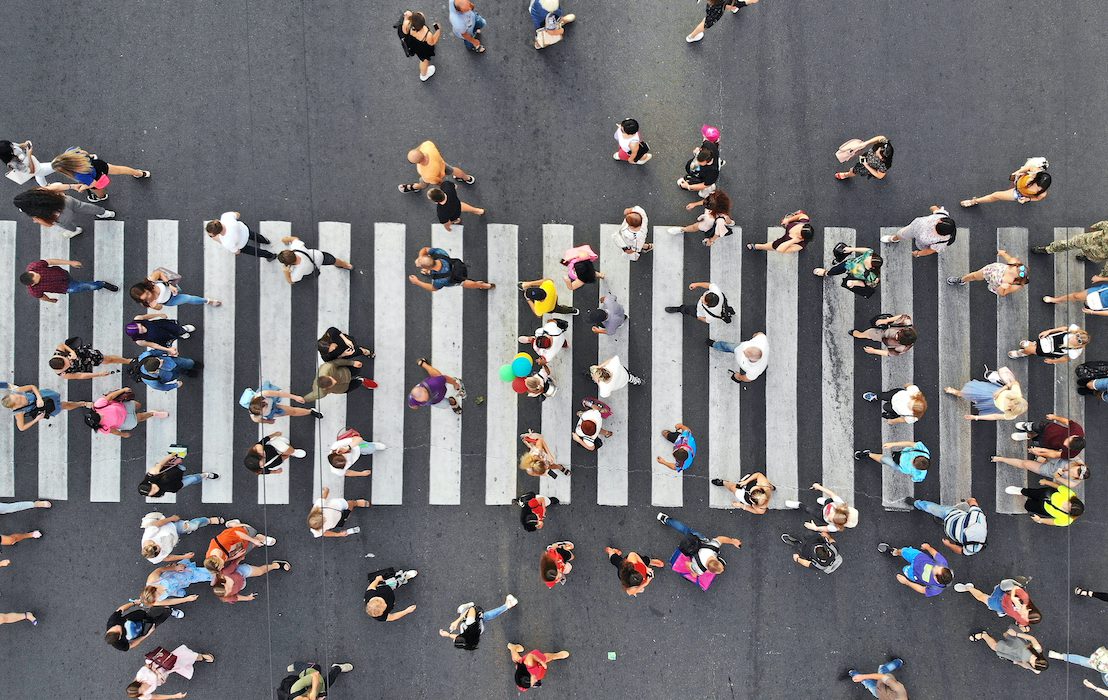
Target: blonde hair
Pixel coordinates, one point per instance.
(1012, 406)
(533, 383)
(72, 162)
(1080, 339)
(315, 519)
(149, 596)
(533, 464)
(213, 564)
(8, 401)
(919, 405)
(151, 550)
(378, 603)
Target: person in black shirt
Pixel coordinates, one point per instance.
(127, 631)
(448, 206)
(168, 476)
(335, 344)
(470, 623)
(268, 454)
(380, 596)
(701, 173)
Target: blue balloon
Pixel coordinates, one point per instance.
(521, 366)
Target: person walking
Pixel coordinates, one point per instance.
(713, 12)
(465, 631)
(168, 584)
(444, 271)
(531, 666)
(554, 564)
(1097, 661)
(1055, 345)
(158, 331)
(703, 552)
(1029, 184)
(798, 234)
(1018, 647)
(906, 404)
(227, 585)
(168, 476)
(1009, 597)
(912, 459)
(161, 371)
(883, 684)
(467, 24)
(429, 163)
(264, 407)
(230, 232)
(710, 307)
(328, 514)
(160, 534)
(300, 261)
(896, 333)
(542, 296)
(816, 550)
(926, 572)
(161, 289)
(334, 344)
(380, 596)
(549, 22)
(533, 507)
(610, 316)
(539, 459)
(632, 232)
(1050, 503)
(130, 625)
(751, 356)
(998, 397)
(419, 40)
(45, 277)
(547, 340)
(752, 492)
(20, 506)
(91, 172)
(630, 146)
(229, 548)
(1068, 472)
(307, 682)
(964, 524)
(30, 405)
(17, 537)
(684, 448)
(337, 377)
(579, 262)
(875, 158)
(714, 222)
(836, 513)
(436, 389)
(1092, 244)
(448, 206)
(931, 234)
(160, 664)
(610, 376)
(589, 431)
(117, 413)
(48, 207)
(1055, 437)
(268, 454)
(860, 267)
(635, 572)
(1002, 278)
(74, 359)
(1095, 298)
(348, 446)
(701, 173)
(21, 164)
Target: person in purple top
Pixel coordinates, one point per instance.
(435, 388)
(927, 571)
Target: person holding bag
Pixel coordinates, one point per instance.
(159, 666)
(1029, 184)
(419, 40)
(47, 206)
(91, 171)
(31, 405)
(714, 222)
(161, 289)
(861, 268)
(875, 157)
(895, 332)
(117, 412)
(549, 22)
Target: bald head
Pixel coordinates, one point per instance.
(753, 354)
(417, 157)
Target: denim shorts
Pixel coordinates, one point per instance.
(995, 602)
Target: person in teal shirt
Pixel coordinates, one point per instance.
(911, 459)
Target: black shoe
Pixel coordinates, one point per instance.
(709, 342)
(316, 413)
(717, 482)
(861, 454)
(1040, 250)
(790, 540)
(673, 309)
(884, 548)
(909, 501)
(262, 239)
(554, 500)
(110, 287)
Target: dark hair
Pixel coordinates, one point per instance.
(522, 677)
(807, 232)
(6, 151)
(336, 460)
(41, 203)
(633, 219)
(1077, 507)
(253, 462)
(921, 463)
(144, 488)
(112, 636)
(680, 455)
(823, 554)
(92, 419)
(56, 362)
(629, 576)
(1034, 616)
(711, 299)
(598, 316)
(629, 126)
(287, 257)
(875, 262)
(718, 202)
(151, 364)
(944, 576)
(585, 271)
(214, 226)
(946, 227)
(27, 278)
(548, 569)
(436, 195)
(418, 21)
(906, 336)
(886, 153)
(529, 519)
(140, 288)
(1042, 180)
(535, 293)
(705, 155)
(1077, 442)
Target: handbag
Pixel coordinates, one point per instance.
(172, 277)
(161, 658)
(849, 149)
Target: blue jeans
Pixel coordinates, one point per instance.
(6, 508)
(181, 298)
(1102, 386)
(888, 667)
(494, 613)
(1084, 661)
(76, 287)
(190, 479)
(724, 346)
(186, 526)
(939, 511)
(478, 24)
(683, 528)
(178, 363)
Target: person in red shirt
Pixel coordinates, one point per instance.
(635, 572)
(228, 585)
(1053, 438)
(1009, 597)
(533, 513)
(531, 667)
(554, 564)
(44, 277)
(230, 547)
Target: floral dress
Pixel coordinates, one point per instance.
(871, 158)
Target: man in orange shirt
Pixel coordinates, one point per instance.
(229, 547)
(432, 168)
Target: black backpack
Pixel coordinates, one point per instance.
(399, 27)
(284, 691)
(458, 271)
(135, 371)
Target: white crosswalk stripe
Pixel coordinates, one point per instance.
(507, 318)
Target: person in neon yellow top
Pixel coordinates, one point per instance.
(1051, 503)
(542, 297)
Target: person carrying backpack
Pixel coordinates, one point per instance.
(964, 523)
(815, 551)
(712, 305)
(307, 682)
(444, 271)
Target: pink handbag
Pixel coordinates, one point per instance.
(849, 150)
(101, 182)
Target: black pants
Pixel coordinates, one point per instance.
(1100, 596)
(333, 673)
(885, 397)
(689, 310)
(258, 251)
(562, 309)
(1037, 498)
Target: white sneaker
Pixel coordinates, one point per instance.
(1020, 437)
(189, 328)
(270, 541)
(353, 530)
(343, 668)
(567, 19)
(792, 504)
(1055, 655)
(674, 230)
(464, 607)
(692, 39)
(380, 446)
(430, 72)
(1013, 490)
(1014, 354)
(511, 601)
(410, 574)
(74, 233)
(108, 214)
(963, 587)
(887, 239)
(233, 522)
(299, 454)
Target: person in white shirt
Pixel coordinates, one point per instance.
(347, 448)
(161, 534)
(1054, 345)
(548, 341)
(329, 513)
(22, 164)
(631, 236)
(710, 307)
(751, 356)
(301, 261)
(235, 236)
(610, 375)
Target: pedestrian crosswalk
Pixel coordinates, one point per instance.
(790, 398)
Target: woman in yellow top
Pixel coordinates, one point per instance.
(1051, 503)
(542, 297)
(1029, 184)
(432, 168)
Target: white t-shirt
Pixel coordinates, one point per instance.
(711, 313)
(165, 536)
(619, 379)
(351, 456)
(902, 403)
(593, 415)
(625, 141)
(753, 370)
(332, 513)
(235, 233)
(165, 292)
(557, 339)
(304, 260)
(1047, 343)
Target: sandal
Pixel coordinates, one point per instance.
(213, 302)
(977, 637)
(407, 187)
(422, 361)
(285, 566)
(142, 174)
(841, 176)
(469, 181)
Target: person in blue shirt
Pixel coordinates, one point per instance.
(549, 22)
(31, 405)
(161, 371)
(684, 448)
(927, 571)
(911, 459)
(467, 24)
(444, 271)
